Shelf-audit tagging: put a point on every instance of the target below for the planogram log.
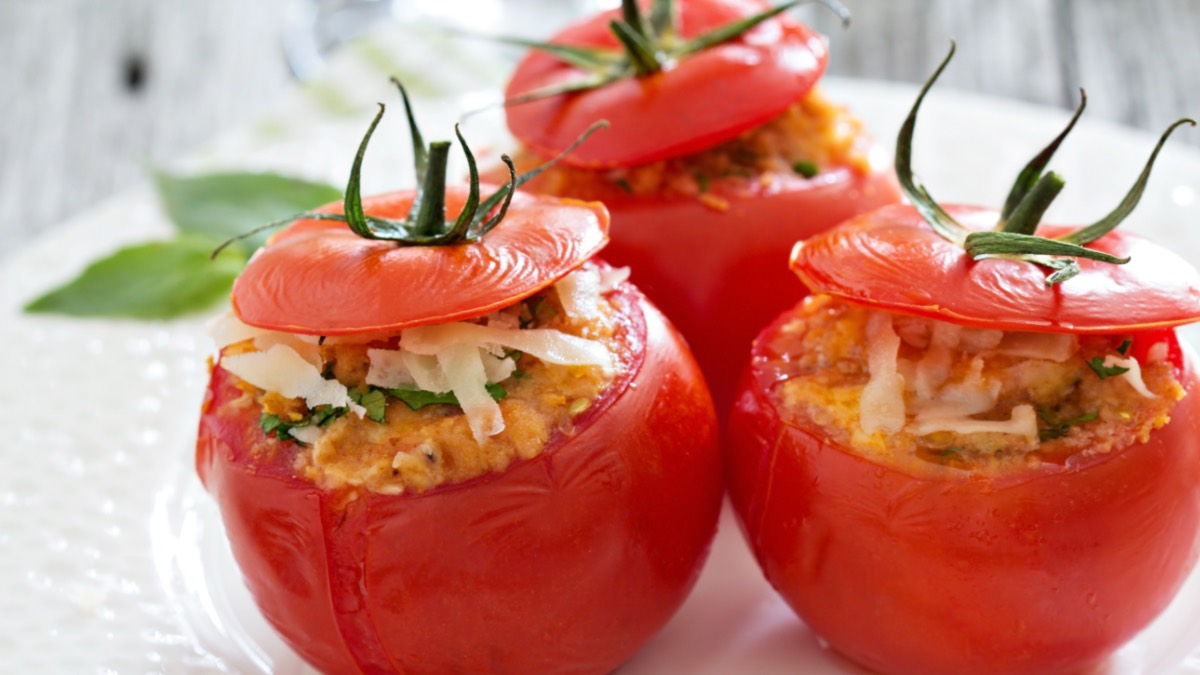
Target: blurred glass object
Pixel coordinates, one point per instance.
(313, 28)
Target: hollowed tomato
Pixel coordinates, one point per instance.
(1047, 568)
(566, 562)
(712, 259)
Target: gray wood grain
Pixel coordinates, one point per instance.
(94, 91)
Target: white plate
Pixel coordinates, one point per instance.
(112, 559)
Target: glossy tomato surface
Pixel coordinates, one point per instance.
(720, 275)
(694, 103)
(317, 277)
(564, 563)
(891, 259)
(1045, 571)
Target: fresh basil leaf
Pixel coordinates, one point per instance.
(1124, 348)
(806, 169)
(374, 400)
(156, 280)
(419, 398)
(324, 414)
(270, 423)
(1061, 429)
(224, 205)
(1103, 371)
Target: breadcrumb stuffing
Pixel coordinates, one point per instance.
(812, 137)
(416, 450)
(952, 378)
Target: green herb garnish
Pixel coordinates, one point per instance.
(374, 400)
(805, 168)
(158, 280)
(173, 277)
(1061, 429)
(1124, 348)
(1103, 371)
(419, 398)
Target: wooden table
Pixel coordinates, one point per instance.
(97, 91)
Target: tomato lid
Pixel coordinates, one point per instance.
(1003, 269)
(892, 259)
(692, 102)
(428, 255)
(319, 278)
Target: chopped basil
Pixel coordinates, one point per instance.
(702, 183)
(1102, 371)
(623, 184)
(270, 423)
(1061, 429)
(419, 398)
(806, 168)
(324, 414)
(1124, 348)
(374, 400)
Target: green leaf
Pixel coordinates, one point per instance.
(156, 280)
(271, 423)
(374, 400)
(806, 168)
(1061, 429)
(1103, 371)
(419, 398)
(224, 205)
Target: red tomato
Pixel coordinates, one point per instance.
(720, 275)
(713, 264)
(319, 278)
(754, 77)
(1047, 570)
(567, 562)
(863, 261)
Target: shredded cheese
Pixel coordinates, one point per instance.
(1132, 375)
(467, 378)
(1023, 422)
(882, 404)
(546, 344)
(280, 369)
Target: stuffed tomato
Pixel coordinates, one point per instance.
(970, 453)
(484, 454)
(722, 152)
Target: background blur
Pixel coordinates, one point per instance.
(94, 91)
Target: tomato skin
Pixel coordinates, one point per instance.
(567, 562)
(893, 260)
(671, 113)
(317, 277)
(1048, 571)
(721, 275)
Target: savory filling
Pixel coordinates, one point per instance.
(435, 404)
(812, 137)
(914, 392)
